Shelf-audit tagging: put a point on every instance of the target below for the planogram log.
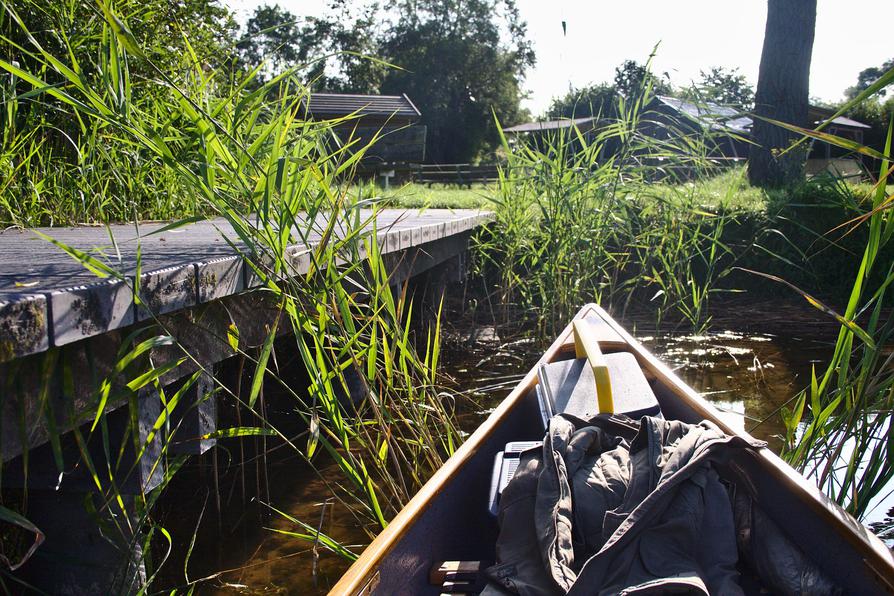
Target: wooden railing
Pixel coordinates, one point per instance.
(460, 174)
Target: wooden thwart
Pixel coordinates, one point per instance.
(458, 577)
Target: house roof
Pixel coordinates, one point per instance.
(731, 119)
(710, 114)
(343, 104)
(549, 124)
(842, 121)
(818, 115)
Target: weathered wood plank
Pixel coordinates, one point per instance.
(88, 310)
(23, 325)
(48, 299)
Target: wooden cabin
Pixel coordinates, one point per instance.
(394, 119)
(728, 127)
(824, 157)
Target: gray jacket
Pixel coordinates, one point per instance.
(613, 506)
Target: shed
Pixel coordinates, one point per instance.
(393, 118)
(543, 132)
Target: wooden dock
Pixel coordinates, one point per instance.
(63, 332)
(195, 285)
(48, 299)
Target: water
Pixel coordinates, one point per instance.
(756, 359)
(750, 364)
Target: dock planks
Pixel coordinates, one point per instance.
(48, 299)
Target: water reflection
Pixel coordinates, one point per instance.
(747, 375)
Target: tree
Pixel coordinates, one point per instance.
(631, 79)
(782, 93)
(587, 101)
(874, 111)
(867, 77)
(460, 66)
(330, 51)
(273, 34)
(722, 86)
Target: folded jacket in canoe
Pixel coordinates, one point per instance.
(630, 507)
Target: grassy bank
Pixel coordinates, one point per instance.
(800, 233)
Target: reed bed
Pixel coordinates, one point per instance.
(580, 220)
(239, 149)
(838, 428)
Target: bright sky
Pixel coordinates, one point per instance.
(693, 35)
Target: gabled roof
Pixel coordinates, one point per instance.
(710, 114)
(729, 118)
(549, 124)
(343, 104)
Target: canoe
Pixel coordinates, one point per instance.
(448, 520)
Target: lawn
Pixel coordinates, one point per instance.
(419, 196)
(729, 190)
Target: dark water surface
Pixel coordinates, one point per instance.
(756, 357)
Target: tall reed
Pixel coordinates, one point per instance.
(577, 222)
(838, 428)
(242, 151)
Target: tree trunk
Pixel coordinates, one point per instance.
(782, 93)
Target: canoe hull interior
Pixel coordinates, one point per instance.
(457, 525)
(449, 519)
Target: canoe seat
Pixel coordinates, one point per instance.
(458, 577)
(569, 386)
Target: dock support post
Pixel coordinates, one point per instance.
(196, 417)
(92, 545)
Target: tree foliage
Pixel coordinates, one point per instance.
(458, 70)
(875, 111)
(726, 86)
(329, 52)
(632, 78)
(579, 103)
(867, 77)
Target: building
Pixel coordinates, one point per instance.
(392, 120)
(829, 158)
(730, 128)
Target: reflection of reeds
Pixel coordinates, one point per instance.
(242, 151)
(577, 220)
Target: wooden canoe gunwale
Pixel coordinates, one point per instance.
(877, 557)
